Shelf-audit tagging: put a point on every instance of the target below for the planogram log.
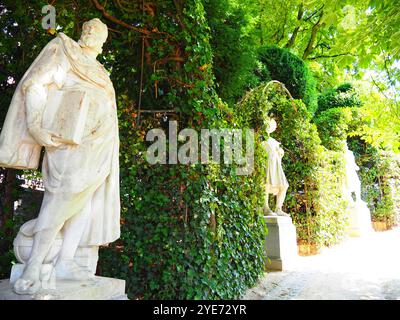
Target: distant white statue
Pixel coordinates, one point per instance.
(352, 182)
(275, 180)
(360, 216)
(65, 102)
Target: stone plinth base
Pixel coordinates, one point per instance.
(360, 223)
(280, 243)
(98, 288)
(47, 275)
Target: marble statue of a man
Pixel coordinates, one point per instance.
(81, 203)
(275, 181)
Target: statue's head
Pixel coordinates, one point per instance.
(271, 125)
(94, 34)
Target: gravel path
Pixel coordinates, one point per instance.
(357, 269)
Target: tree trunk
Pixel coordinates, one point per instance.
(314, 31)
(292, 39)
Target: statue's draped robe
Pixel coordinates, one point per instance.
(275, 180)
(72, 174)
(352, 181)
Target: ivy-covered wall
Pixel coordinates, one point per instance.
(188, 231)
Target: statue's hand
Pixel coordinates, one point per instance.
(44, 137)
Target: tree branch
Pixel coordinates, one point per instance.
(292, 39)
(314, 32)
(170, 58)
(388, 72)
(332, 56)
(117, 21)
(283, 28)
(314, 13)
(179, 10)
(379, 88)
(295, 32)
(180, 82)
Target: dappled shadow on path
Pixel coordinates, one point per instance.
(359, 268)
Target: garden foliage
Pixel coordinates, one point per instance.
(196, 231)
(333, 127)
(344, 95)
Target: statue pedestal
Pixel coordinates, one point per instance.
(47, 275)
(360, 223)
(280, 243)
(97, 288)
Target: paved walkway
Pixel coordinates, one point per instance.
(358, 268)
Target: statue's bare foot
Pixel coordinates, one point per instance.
(70, 270)
(269, 212)
(281, 213)
(29, 282)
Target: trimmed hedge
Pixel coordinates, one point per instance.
(333, 127)
(282, 65)
(342, 96)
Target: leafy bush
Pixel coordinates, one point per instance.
(315, 174)
(340, 97)
(283, 66)
(337, 115)
(333, 127)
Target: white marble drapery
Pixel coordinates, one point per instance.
(275, 180)
(73, 174)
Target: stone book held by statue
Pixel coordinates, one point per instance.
(65, 115)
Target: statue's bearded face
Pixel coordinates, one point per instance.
(94, 34)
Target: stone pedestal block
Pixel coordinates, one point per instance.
(97, 288)
(280, 243)
(359, 220)
(47, 275)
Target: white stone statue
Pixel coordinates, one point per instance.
(66, 103)
(359, 213)
(275, 182)
(352, 182)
